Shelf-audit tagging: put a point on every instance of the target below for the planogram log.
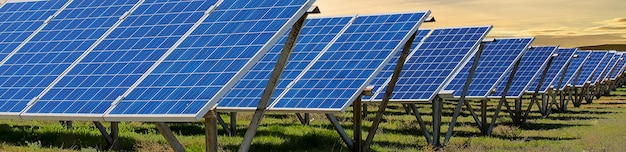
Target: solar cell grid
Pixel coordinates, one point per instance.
(575, 65)
(619, 69)
(228, 42)
(435, 63)
(349, 64)
(52, 50)
(554, 71)
(610, 67)
(122, 57)
(532, 64)
(18, 21)
(384, 76)
(316, 34)
(497, 58)
(602, 67)
(589, 66)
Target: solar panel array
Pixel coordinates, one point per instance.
(610, 67)
(497, 58)
(315, 36)
(556, 68)
(94, 57)
(575, 65)
(589, 66)
(619, 69)
(195, 75)
(435, 62)
(116, 63)
(532, 64)
(44, 58)
(599, 71)
(341, 73)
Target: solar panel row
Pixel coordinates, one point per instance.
(497, 58)
(619, 69)
(588, 68)
(434, 63)
(557, 66)
(575, 65)
(533, 62)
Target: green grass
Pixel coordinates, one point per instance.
(595, 127)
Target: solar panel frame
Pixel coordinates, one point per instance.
(304, 53)
(575, 66)
(556, 69)
(114, 114)
(82, 95)
(602, 67)
(589, 67)
(526, 72)
(283, 107)
(482, 77)
(448, 78)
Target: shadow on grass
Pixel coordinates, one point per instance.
(526, 138)
(26, 135)
(311, 141)
(548, 126)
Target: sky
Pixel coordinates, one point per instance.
(567, 23)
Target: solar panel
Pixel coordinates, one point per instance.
(341, 73)
(190, 80)
(604, 65)
(384, 76)
(575, 65)
(497, 58)
(316, 34)
(30, 70)
(554, 71)
(610, 67)
(435, 62)
(619, 69)
(532, 64)
(588, 67)
(20, 20)
(121, 58)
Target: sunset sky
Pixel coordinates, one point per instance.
(553, 22)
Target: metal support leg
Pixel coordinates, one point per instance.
(304, 120)
(437, 108)
(112, 138)
(233, 123)
(483, 111)
(421, 122)
(210, 128)
(271, 84)
(223, 124)
(169, 136)
(342, 133)
(358, 130)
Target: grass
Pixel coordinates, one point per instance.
(593, 127)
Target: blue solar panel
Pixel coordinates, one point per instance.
(575, 65)
(497, 59)
(20, 20)
(532, 65)
(610, 67)
(344, 69)
(316, 34)
(385, 75)
(619, 69)
(52, 50)
(209, 61)
(589, 66)
(599, 71)
(433, 65)
(122, 57)
(554, 71)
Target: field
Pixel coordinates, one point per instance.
(594, 127)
